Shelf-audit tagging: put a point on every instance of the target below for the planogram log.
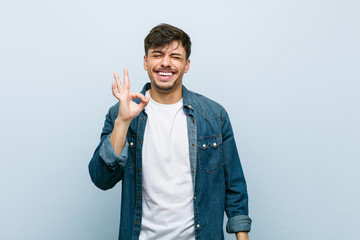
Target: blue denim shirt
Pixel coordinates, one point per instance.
(218, 179)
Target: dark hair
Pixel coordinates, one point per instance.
(163, 35)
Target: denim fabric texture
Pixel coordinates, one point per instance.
(217, 175)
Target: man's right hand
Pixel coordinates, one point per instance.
(128, 109)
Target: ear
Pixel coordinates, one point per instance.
(145, 63)
(187, 65)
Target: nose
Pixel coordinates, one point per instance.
(166, 61)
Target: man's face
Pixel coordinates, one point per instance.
(166, 66)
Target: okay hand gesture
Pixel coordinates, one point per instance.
(128, 109)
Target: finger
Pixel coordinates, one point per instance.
(139, 95)
(114, 91)
(126, 80)
(144, 100)
(118, 82)
(144, 103)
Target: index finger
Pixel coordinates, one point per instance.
(139, 95)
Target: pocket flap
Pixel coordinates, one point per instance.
(214, 142)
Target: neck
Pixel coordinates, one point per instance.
(165, 97)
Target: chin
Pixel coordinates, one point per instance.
(165, 87)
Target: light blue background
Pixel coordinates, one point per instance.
(286, 71)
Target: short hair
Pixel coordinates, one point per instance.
(163, 35)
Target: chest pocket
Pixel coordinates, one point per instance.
(130, 162)
(210, 153)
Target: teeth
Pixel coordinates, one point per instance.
(165, 74)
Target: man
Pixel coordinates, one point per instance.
(174, 152)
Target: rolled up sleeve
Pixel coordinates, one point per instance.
(239, 223)
(108, 155)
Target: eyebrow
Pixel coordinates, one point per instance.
(177, 54)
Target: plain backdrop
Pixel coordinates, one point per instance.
(287, 71)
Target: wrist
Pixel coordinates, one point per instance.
(121, 123)
(242, 236)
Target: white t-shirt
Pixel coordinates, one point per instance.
(167, 207)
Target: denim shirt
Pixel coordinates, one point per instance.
(217, 176)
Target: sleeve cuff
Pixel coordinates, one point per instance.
(108, 155)
(239, 223)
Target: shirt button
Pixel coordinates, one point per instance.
(193, 145)
(198, 225)
(139, 194)
(204, 145)
(192, 172)
(137, 221)
(143, 119)
(139, 169)
(194, 198)
(131, 143)
(190, 106)
(214, 144)
(139, 142)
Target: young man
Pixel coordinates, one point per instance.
(174, 152)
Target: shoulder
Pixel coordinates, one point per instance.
(205, 106)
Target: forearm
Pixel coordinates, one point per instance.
(118, 135)
(109, 160)
(242, 236)
(102, 174)
(106, 166)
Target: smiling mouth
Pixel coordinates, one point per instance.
(164, 75)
